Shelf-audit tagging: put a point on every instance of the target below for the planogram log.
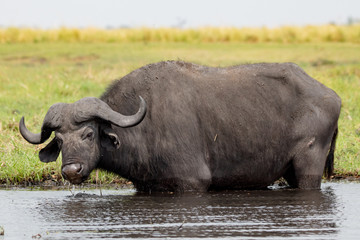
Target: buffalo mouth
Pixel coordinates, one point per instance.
(74, 173)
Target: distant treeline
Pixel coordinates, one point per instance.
(286, 34)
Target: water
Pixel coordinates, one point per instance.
(330, 213)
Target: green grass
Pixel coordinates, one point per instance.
(33, 76)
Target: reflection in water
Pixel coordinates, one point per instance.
(248, 214)
(332, 213)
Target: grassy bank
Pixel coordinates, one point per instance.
(33, 76)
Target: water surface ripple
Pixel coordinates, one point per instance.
(330, 213)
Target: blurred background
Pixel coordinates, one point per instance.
(180, 14)
(61, 51)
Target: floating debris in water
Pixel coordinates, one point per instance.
(37, 236)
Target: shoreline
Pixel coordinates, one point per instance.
(125, 184)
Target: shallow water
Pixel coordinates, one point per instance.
(330, 213)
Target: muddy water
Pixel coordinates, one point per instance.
(330, 213)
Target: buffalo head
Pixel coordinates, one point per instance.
(81, 129)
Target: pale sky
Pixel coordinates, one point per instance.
(168, 13)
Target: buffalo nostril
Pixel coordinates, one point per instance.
(71, 170)
(80, 168)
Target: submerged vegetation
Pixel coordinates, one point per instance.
(41, 67)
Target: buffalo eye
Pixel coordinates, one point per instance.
(88, 134)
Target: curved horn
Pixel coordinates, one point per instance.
(33, 138)
(51, 122)
(91, 107)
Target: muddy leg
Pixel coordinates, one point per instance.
(307, 168)
(303, 180)
(290, 177)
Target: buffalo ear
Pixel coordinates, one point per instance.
(109, 139)
(50, 153)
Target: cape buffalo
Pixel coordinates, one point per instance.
(199, 128)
